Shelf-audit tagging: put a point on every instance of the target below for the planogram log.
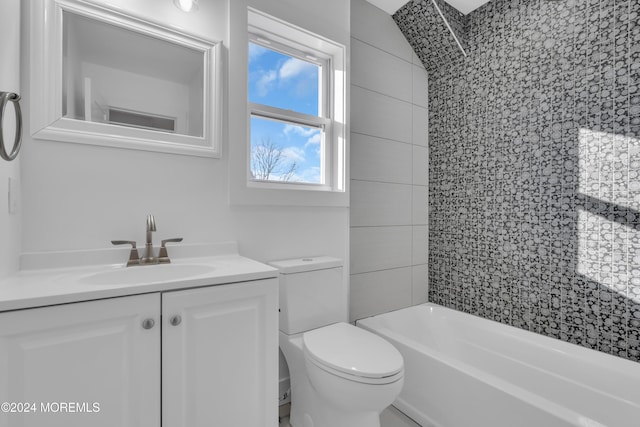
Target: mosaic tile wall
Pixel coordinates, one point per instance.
(534, 147)
(427, 31)
(454, 18)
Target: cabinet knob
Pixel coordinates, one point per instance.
(148, 323)
(175, 320)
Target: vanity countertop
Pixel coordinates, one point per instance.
(78, 277)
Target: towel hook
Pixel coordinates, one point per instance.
(5, 97)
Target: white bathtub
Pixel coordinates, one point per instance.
(465, 371)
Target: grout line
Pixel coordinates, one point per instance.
(386, 94)
(385, 182)
(387, 52)
(383, 138)
(402, 267)
(387, 226)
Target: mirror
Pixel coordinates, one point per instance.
(120, 81)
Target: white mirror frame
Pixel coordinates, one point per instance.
(46, 85)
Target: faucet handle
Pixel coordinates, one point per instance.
(134, 258)
(163, 256)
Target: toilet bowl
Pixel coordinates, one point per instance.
(341, 375)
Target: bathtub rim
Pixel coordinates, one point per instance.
(565, 413)
(538, 338)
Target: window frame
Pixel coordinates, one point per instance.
(279, 36)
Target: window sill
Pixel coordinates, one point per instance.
(273, 194)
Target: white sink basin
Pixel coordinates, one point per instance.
(147, 274)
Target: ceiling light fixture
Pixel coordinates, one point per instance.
(186, 5)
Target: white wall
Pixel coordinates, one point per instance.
(144, 94)
(389, 166)
(77, 196)
(270, 232)
(9, 82)
(81, 197)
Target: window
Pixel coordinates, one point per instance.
(296, 108)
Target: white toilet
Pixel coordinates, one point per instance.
(341, 375)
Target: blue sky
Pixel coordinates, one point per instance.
(289, 83)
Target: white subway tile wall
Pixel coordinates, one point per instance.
(389, 167)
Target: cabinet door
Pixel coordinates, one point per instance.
(82, 364)
(219, 363)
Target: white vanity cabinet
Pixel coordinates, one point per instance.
(219, 354)
(85, 353)
(192, 357)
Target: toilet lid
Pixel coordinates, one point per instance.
(352, 350)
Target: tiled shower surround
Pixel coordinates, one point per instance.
(534, 172)
(434, 29)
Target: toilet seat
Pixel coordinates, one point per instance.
(353, 353)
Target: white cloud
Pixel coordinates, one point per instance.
(256, 51)
(315, 139)
(293, 67)
(264, 83)
(313, 135)
(311, 174)
(293, 154)
(300, 130)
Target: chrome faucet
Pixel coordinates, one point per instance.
(148, 257)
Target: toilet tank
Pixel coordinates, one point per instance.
(313, 293)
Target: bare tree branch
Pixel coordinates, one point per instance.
(268, 162)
